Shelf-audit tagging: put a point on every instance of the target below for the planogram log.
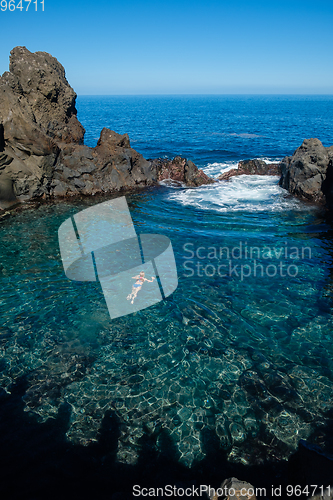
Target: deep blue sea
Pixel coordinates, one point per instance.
(242, 351)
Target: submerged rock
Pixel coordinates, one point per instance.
(326, 494)
(308, 173)
(41, 141)
(252, 167)
(234, 489)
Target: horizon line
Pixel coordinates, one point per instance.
(203, 94)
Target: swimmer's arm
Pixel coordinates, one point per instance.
(150, 281)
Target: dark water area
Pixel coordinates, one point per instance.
(38, 462)
(229, 376)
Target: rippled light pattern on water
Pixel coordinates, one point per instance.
(250, 360)
(108, 249)
(245, 361)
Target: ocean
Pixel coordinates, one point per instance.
(238, 361)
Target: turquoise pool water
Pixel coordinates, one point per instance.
(249, 357)
(243, 347)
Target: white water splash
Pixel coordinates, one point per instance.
(216, 169)
(250, 193)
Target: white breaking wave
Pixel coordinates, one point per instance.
(250, 193)
(170, 183)
(270, 160)
(216, 169)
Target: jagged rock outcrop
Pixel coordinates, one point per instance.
(308, 173)
(111, 166)
(41, 140)
(180, 170)
(252, 167)
(37, 110)
(38, 80)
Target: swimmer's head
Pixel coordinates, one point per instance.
(142, 273)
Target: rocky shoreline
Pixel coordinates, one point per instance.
(42, 156)
(42, 151)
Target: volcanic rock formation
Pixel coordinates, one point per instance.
(308, 173)
(41, 141)
(252, 167)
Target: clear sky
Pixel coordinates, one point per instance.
(180, 47)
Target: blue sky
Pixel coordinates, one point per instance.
(180, 47)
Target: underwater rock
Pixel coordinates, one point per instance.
(327, 494)
(41, 141)
(252, 167)
(234, 489)
(46, 383)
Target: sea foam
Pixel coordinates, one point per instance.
(216, 169)
(241, 193)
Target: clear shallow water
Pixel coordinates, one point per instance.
(243, 348)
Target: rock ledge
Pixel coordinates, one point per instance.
(42, 153)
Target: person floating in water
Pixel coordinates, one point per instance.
(140, 279)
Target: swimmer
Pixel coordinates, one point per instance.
(140, 279)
